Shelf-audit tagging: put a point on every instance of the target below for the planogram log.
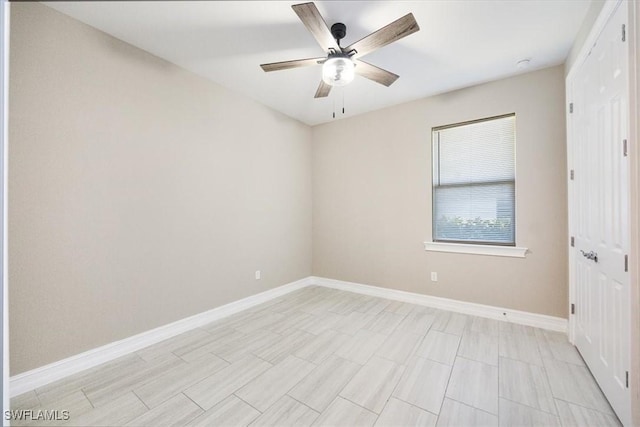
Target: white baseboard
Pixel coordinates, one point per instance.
(514, 316)
(38, 377)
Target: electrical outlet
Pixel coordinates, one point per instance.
(434, 276)
(258, 275)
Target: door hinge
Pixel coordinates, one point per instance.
(573, 241)
(573, 308)
(624, 33)
(626, 263)
(571, 107)
(571, 175)
(627, 378)
(624, 148)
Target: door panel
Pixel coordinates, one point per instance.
(600, 212)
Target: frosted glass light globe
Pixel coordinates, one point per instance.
(338, 71)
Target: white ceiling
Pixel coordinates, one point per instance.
(460, 43)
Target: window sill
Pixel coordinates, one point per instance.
(460, 248)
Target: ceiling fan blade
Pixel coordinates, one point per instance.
(323, 90)
(311, 18)
(395, 31)
(374, 73)
(284, 65)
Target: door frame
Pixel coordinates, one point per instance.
(632, 38)
(4, 132)
(634, 206)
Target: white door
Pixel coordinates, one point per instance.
(600, 212)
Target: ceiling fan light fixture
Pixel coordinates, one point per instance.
(338, 71)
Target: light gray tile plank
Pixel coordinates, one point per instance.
(361, 346)
(449, 322)
(456, 414)
(318, 349)
(341, 412)
(175, 380)
(527, 384)
(385, 322)
(287, 412)
(555, 345)
(399, 307)
(345, 305)
(290, 321)
(216, 335)
(244, 345)
(475, 384)
(515, 414)
(117, 412)
(107, 372)
(521, 347)
(270, 386)
(219, 386)
(578, 416)
(373, 384)
(277, 351)
(176, 411)
(230, 412)
(439, 346)
(575, 384)
(219, 338)
(514, 328)
(268, 305)
(373, 305)
(103, 392)
(479, 347)
(353, 322)
(27, 400)
(318, 389)
(397, 413)
(485, 326)
(228, 322)
(235, 320)
(283, 306)
(75, 403)
(317, 305)
(169, 345)
(259, 321)
(423, 384)
(399, 346)
(318, 324)
(417, 322)
(418, 308)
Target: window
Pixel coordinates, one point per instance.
(474, 182)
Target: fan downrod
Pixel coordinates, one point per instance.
(338, 31)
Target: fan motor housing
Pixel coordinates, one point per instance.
(338, 31)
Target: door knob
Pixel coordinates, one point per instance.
(590, 255)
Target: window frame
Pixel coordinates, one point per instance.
(471, 246)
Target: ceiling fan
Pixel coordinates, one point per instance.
(341, 63)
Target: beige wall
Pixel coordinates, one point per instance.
(139, 193)
(372, 198)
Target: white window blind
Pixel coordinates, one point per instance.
(474, 182)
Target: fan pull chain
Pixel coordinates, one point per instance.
(333, 99)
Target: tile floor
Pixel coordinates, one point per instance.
(320, 356)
